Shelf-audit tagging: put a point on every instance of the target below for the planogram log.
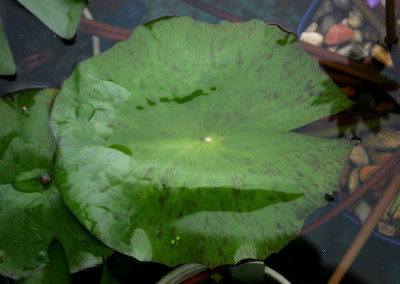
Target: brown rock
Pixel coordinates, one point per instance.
(381, 157)
(368, 171)
(338, 34)
(386, 139)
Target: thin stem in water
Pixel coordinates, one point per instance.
(390, 15)
(366, 230)
(384, 170)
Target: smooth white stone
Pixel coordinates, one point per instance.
(362, 211)
(313, 38)
(312, 27)
(354, 181)
(358, 156)
(355, 19)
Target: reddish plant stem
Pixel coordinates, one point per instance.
(384, 170)
(366, 229)
(205, 274)
(106, 27)
(104, 30)
(214, 11)
(391, 40)
(390, 15)
(358, 73)
(322, 53)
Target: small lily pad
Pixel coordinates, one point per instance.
(31, 210)
(176, 146)
(61, 16)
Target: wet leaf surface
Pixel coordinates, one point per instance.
(56, 271)
(31, 210)
(176, 146)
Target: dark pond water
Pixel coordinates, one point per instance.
(44, 60)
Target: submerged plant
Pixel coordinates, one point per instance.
(176, 146)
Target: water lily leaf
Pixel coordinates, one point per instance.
(31, 210)
(106, 277)
(56, 271)
(176, 146)
(7, 66)
(61, 16)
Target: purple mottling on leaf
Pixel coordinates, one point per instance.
(373, 3)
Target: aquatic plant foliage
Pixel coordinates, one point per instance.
(176, 145)
(7, 65)
(56, 271)
(31, 209)
(61, 16)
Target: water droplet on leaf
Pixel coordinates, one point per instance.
(32, 181)
(35, 208)
(40, 256)
(206, 139)
(84, 112)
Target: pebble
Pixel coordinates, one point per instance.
(354, 182)
(358, 156)
(370, 34)
(382, 55)
(324, 8)
(340, 21)
(386, 229)
(326, 23)
(368, 171)
(312, 27)
(332, 48)
(358, 38)
(368, 45)
(386, 139)
(313, 38)
(353, 51)
(355, 19)
(342, 4)
(362, 211)
(338, 33)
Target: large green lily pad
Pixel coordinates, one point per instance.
(31, 210)
(61, 16)
(176, 146)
